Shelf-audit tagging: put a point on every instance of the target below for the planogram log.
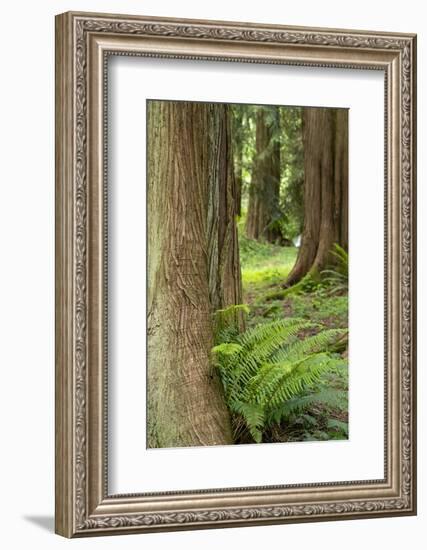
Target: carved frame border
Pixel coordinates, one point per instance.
(83, 43)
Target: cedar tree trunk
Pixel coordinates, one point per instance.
(325, 137)
(193, 269)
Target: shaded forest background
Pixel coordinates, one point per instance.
(248, 274)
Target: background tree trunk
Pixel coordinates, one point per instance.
(237, 141)
(325, 136)
(264, 191)
(225, 284)
(192, 269)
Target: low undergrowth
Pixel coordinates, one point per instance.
(275, 377)
(285, 377)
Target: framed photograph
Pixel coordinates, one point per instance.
(235, 274)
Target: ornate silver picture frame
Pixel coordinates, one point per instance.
(84, 43)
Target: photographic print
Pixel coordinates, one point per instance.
(247, 274)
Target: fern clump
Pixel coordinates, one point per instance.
(267, 370)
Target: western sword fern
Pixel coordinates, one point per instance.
(266, 371)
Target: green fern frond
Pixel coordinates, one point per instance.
(337, 277)
(342, 257)
(322, 341)
(338, 425)
(269, 367)
(281, 328)
(303, 373)
(258, 344)
(228, 321)
(254, 417)
(330, 398)
(227, 334)
(227, 348)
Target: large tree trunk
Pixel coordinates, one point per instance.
(325, 136)
(193, 268)
(264, 191)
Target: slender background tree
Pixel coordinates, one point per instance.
(264, 192)
(291, 174)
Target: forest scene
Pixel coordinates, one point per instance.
(247, 274)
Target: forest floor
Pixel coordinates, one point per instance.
(264, 269)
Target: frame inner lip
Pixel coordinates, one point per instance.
(320, 487)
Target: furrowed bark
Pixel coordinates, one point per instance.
(192, 270)
(225, 285)
(325, 137)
